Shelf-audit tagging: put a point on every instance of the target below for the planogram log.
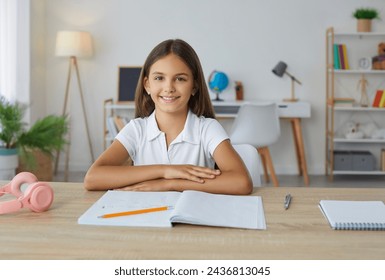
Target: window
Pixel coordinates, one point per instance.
(14, 49)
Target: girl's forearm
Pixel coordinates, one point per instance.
(112, 177)
(103, 177)
(226, 183)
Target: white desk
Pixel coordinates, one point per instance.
(229, 109)
(292, 111)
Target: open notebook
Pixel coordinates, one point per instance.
(354, 215)
(191, 207)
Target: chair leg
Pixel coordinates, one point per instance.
(263, 161)
(265, 153)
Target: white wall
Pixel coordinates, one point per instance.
(244, 38)
(38, 68)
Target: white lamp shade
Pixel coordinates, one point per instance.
(73, 43)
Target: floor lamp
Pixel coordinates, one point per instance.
(73, 44)
(279, 70)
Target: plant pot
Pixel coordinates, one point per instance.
(42, 165)
(364, 25)
(9, 161)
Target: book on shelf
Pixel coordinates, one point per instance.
(343, 102)
(164, 209)
(345, 57)
(340, 57)
(115, 124)
(377, 98)
(111, 127)
(354, 215)
(119, 122)
(382, 101)
(336, 57)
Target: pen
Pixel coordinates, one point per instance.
(136, 212)
(287, 201)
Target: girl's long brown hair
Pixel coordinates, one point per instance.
(200, 104)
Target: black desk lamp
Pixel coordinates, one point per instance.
(279, 70)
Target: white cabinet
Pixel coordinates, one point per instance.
(351, 83)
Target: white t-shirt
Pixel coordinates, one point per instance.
(196, 144)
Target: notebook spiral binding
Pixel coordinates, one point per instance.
(360, 226)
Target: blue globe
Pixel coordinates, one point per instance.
(218, 81)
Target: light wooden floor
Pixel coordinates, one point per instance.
(290, 180)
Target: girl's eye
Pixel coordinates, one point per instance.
(158, 78)
(180, 79)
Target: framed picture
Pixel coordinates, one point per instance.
(128, 77)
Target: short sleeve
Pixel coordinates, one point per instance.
(130, 136)
(214, 134)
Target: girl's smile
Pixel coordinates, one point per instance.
(169, 99)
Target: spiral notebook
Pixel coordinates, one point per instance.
(354, 215)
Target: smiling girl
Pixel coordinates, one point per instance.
(174, 142)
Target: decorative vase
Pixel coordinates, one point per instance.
(42, 166)
(9, 161)
(364, 25)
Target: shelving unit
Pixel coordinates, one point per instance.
(359, 45)
(110, 110)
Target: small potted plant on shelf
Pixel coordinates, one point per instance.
(364, 18)
(24, 149)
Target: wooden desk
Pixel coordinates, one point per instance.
(291, 111)
(301, 232)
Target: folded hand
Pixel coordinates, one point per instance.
(190, 172)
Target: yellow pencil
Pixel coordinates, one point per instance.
(136, 212)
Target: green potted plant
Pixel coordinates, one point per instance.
(25, 146)
(364, 18)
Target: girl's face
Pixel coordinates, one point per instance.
(170, 83)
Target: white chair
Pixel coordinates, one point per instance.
(257, 124)
(250, 157)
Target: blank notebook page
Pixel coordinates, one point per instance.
(360, 215)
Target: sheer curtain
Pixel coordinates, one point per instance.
(14, 49)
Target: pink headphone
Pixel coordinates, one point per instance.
(38, 196)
